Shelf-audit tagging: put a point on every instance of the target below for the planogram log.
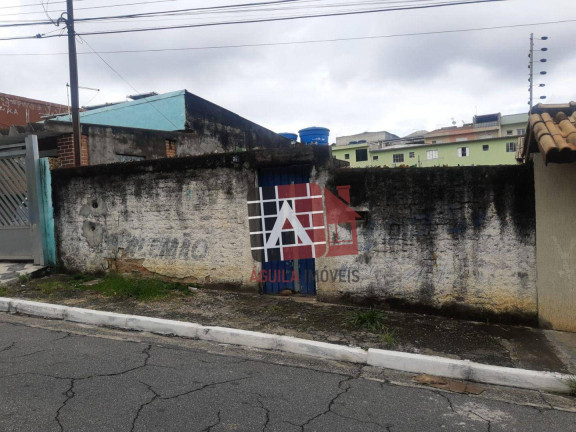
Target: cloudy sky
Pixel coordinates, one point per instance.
(399, 84)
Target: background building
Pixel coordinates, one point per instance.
(20, 111)
(149, 126)
(489, 140)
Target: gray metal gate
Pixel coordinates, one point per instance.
(20, 236)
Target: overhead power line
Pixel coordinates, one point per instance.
(132, 4)
(250, 21)
(302, 42)
(127, 82)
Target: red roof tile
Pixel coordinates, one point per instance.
(552, 132)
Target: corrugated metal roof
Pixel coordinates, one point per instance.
(552, 132)
(166, 112)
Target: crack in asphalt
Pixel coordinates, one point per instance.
(445, 396)
(156, 396)
(69, 395)
(13, 344)
(267, 413)
(488, 422)
(8, 348)
(141, 407)
(545, 401)
(205, 386)
(218, 421)
(331, 404)
(70, 392)
(344, 386)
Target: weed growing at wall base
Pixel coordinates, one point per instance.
(23, 278)
(370, 319)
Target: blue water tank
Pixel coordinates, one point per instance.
(314, 135)
(289, 135)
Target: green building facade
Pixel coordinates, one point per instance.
(489, 140)
(493, 151)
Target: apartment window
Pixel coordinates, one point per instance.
(510, 147)
(521, 131)
(485, 147)
(411, 155)
(361, 155)
(374, 157)
(434, 142)
(509, 132)
(347, 156)
(432, 154)
(398, 158)
(463, 152)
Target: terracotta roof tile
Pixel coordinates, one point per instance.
(552, 132)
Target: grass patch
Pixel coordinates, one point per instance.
(370, 319)
(50, 287)
(24, 278)
(571, 382)
(275, 308)
(3, 290)
(122, 287)
(388, 337)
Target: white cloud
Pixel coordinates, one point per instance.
(397, 84)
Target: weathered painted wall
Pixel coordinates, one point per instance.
(556, 243)
(183, 218)
(188, 223)
(459, 239)
(109, 144)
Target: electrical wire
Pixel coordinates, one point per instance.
(125, 80)
(303, 42)
(250, 21)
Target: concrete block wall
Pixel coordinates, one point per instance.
(178, 218)
(458, 239)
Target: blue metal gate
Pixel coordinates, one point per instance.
(282, 271)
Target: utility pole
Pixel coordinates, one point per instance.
(73, 62)
(531, 101)
(531, 67)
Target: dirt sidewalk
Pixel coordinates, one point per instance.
(303, 317)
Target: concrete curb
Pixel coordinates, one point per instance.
(468, 370)
(407, 362)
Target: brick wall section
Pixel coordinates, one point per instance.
(84, 159)
(170, 148)
(66, 151)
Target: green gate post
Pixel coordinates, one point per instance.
(46, 211)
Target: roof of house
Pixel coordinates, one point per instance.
(552, 132)
(165, 112)
(514, 118)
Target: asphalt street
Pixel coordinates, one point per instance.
(62, 380)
